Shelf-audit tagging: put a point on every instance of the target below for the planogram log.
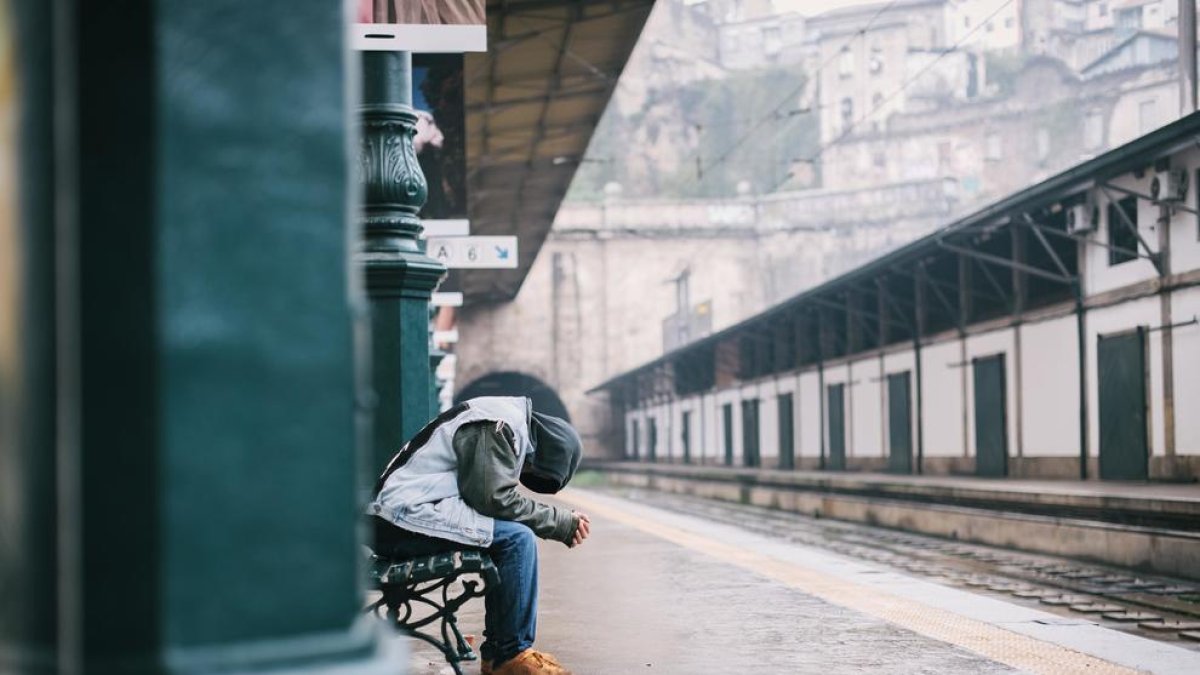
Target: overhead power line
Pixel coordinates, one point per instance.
(772, 114)
(883, 102)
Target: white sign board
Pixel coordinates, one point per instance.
(447, 299)
(458, 253)
(450, 227)
(420, 38)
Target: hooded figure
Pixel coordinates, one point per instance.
(455, 485)
(556, 452)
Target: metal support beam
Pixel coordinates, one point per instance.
(1041, 237)
(892, 303)
(946, 304)
(991, 278)
(822, 332)
(859, 314)
(1155, 258)
(919, 326)
(1020, 285)
(1157, 202)
(1028, 269)
(965, 286)
(1084, 240)
(954, 288)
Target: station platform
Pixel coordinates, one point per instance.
(663, 591)
(1165, 504)
(1153, 527)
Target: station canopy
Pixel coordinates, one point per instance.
(533, 101)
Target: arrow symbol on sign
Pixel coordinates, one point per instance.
(502, 253)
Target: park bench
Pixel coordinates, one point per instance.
(420, 593)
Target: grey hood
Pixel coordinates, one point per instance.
(557, 449)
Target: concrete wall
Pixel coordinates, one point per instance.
(865, 398)
(1185, 307)
(942, 391)
(1050, 388)
(1042, 394)
(808, 401)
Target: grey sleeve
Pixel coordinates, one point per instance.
(489, 468)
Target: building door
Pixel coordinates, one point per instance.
(636, 434)
(652, 439)
(686, 436)
(1124, 454)
(787, 432)
(750, 433)
(899, 423)
(727, 417)
(837, 427)
(991, 430)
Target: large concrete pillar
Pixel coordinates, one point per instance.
(195, 463)
(28, 557)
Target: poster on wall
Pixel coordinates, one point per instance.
(441, 141)
(426, 26)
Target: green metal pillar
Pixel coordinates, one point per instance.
(399, 277)
(202, 445)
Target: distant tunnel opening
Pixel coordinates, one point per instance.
(516, 384)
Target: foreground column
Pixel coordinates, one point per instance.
(399, 277)
(28, 557)
(208, 463)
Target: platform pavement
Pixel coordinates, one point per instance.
(657, 592)
(1182, 499)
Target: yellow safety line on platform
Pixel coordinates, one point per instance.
(997, 644)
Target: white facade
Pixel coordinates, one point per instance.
(1043, 416)
(984, 25)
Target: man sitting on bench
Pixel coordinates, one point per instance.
(454, 486)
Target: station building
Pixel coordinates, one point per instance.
(1051, 334)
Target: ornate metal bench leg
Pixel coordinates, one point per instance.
(465, 653)
(447, 650)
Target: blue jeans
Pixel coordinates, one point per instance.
(510, 619)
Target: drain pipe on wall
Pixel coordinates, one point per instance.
(1081, 330)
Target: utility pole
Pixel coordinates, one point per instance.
(1187, 57)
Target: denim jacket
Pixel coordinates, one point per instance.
(451, 485)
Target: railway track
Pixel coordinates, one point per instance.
(1151, 606)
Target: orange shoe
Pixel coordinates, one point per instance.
(528, 662)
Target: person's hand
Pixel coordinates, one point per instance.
(583, 527)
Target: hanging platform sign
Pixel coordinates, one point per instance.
(423, 26)
(445, 228)
(473, 252)
(447, 299)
